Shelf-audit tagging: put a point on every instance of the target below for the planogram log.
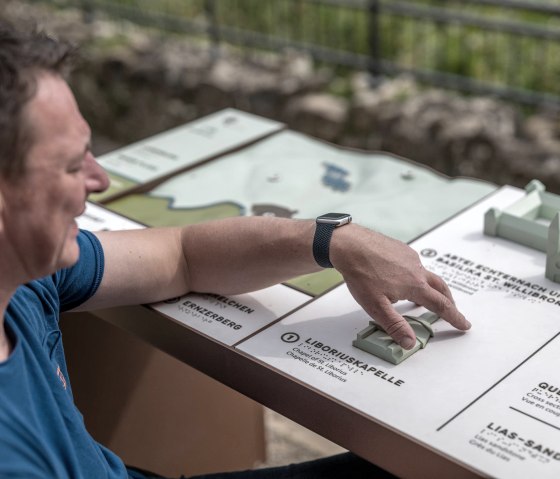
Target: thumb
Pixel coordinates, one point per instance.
(393, 323)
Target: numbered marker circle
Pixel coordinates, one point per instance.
(428, 253)
(290, 337)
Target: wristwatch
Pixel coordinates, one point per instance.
(323, 232)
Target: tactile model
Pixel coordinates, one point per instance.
(373, 339)
(532, 221)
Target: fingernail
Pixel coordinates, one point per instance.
(468, 324)
(407, 342)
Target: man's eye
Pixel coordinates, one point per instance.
(75, 168)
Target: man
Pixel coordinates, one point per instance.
(47, 265)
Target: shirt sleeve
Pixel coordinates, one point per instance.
(78, 283)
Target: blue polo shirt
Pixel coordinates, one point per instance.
(42, 433)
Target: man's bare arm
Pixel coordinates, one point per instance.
(243, 254)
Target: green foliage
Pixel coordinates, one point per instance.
(409, 40)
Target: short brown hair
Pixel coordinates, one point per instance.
(24, 55)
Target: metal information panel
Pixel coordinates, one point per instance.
(488, 399)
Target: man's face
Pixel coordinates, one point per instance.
(39, 210)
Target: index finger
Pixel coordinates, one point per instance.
(442, 305)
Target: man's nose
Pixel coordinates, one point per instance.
(97, 180)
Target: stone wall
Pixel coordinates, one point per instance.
(134, 83)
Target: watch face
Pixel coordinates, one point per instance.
(338, 219)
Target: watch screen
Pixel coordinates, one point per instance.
(337, 219)
(333, 216)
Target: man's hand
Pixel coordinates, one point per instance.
(380, 271)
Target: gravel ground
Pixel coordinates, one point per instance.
(288, 442)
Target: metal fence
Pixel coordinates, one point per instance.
(506, 48)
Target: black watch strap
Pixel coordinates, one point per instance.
(321, 244)
(325, 225)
